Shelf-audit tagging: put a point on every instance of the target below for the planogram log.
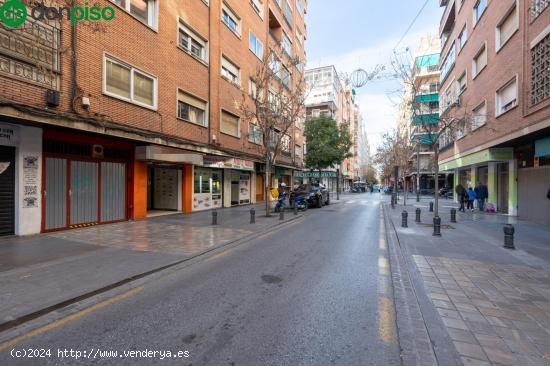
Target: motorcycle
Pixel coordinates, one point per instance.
(281, 201)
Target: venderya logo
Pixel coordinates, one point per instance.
(14, 13)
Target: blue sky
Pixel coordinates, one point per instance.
(362, 33)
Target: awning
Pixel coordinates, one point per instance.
(427, 60)
(488, 155)
(167, 155)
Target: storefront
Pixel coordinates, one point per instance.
(495, 167)
(234, 181)
(85, 180)
(164, 185)
(207, 188)
(327, 177)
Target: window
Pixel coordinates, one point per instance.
(126, 82)
(192, 43)
(479, 115)
(479, 9)
(231, 20)
(191, 109)
(300, 36)
(230, 124)
(254, 134)
(252, 89)
(274, 64)
(144, 10)
(463, 37)
(507, 97)
(540, 75)
(448, 63)
(287, 13)
(286, 77)
(298, 151)
(461, 83)
(230, 71)
(285, 145)
(287, 45)
(507, 28)
(258, 6)
(298, 123)
(537, 7)
(300, 7)
(479, 61)
(256, 46)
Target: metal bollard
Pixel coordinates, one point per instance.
(393, 200)
(252, 216)
(295, 209)
(214, 217)
(431, 207)
(404, 216)
(437, 226)
(418, 212)
(509, 236)
(282, 214)
(453, 215)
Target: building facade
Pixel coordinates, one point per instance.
(330, 96)
(137, 115)
(494, 77)
(424, 117)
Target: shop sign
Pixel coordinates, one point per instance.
(9, 135)
(228, 163)
(324, 174)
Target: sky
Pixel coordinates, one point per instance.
(352, 34)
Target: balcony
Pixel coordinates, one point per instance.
(426, 119)
(447, 21)
(428, 97)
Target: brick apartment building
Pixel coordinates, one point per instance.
(119, 119)
(328, 95)
(495, 76)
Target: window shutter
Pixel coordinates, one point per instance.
(192, 101)
(230, 124)
(508, 27)
(507, 94)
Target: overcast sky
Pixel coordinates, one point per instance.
(355, 34)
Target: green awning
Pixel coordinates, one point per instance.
(480, 157)
(430, 119)
(427, 98)
(427, 60)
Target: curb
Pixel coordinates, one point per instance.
(421, 344)
(9, 325)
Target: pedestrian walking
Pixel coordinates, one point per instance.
(471, 198)
(461, 194)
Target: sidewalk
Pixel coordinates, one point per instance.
(492, 303)
(43, 271)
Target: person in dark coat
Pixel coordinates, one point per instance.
(482, 194)
(461, 194)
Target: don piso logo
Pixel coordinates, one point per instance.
(13, 13)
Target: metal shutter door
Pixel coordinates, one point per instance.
(113, 191)
(84, 192)
(56, 193)
(7, 190)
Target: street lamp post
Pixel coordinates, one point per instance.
(417, 172)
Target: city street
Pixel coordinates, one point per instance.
(315, 292)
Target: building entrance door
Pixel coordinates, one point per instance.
(163, 189)
(7, 190)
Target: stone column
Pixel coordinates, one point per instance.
(473, 177)
(512, 187)
(456, 181)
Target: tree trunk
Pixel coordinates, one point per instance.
(267, 185)
(405, 191)
(436, 169)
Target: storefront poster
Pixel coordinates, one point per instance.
(30, 181)
(244, 189)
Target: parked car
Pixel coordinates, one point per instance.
(388, 188)
(316, 194)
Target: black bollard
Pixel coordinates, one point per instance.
(453, 215)
(431, 207)
(404, 216)
(418, 212)
(252, 216)
(282, 214)
(295, 209)
(437, 226)
(214, 217)
(393, 200)
(509, 236)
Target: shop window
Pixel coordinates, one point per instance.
(192, 109)
(230, 124)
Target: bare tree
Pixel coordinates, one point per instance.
(454, 119)
(273, 103)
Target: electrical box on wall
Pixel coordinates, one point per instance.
(52, 98)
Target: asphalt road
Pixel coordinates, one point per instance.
(316, 292)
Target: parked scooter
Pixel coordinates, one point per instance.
(281, 201)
